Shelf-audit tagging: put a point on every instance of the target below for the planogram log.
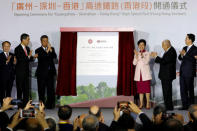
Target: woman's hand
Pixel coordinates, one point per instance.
(135, 52)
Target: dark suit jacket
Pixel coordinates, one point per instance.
(22, 65)
(167, 63)
(103, 127)
(45, 62)
(7, 71)
(114, 125)
(149, 125)
(188, 65)
(65, 127)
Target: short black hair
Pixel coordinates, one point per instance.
(141, 40)
(98, 114)
(191, 37)
(6, 42)
(51, 123)
(43, 36)
(24, 36)
(65, 112)
(158, 109)
(126, 121)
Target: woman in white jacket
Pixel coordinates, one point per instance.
(142, 73)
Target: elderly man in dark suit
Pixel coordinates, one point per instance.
(188, 71)
(7, 70)
(167, 71)
(46, 72)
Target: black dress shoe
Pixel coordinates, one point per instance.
(183, 108)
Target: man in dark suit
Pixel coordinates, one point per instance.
(23, 57)
(46, 72)
(7, 70)
(158, 118)
(167, 71)
(187, 71)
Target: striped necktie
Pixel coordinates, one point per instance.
(25, 51)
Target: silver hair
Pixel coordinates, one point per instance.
(90, 123)
(167, 42)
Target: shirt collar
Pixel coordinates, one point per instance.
(6, 53)
(44, 47)
(23, 46)
(190, 46)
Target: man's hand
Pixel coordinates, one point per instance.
(153, 54)
(76, 124)
(41, 119)
(134, 108)
(14, 62)
(16, 119)
(30, 53)
(28, 105)
(36, 56)
(102, 120)
(182, 52)
(49, 48)
(179, 117)
(116, 113)
(41, 107)
(6, 104)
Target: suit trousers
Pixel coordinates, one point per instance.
(187, 90)
(22, 86)
(46, 83)
(167, 93)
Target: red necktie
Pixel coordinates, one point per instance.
(25, 51)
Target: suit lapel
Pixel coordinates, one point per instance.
(42, 49)
(190, 49)
(4, 55)
(44, 52)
